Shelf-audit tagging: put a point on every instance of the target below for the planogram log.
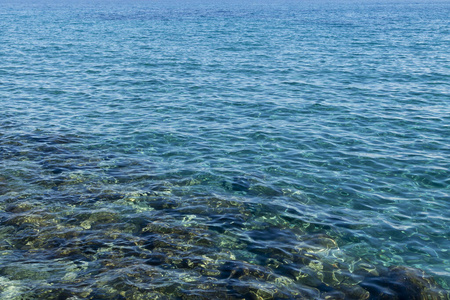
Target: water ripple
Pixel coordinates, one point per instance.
(222, 150)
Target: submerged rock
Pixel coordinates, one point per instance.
(240, 183)
(404, 283)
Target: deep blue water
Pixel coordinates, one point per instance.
(236, 150)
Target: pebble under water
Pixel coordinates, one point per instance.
(235, 150)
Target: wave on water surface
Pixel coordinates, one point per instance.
(224, 151)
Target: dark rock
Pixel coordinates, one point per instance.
(403, 283)
(240, 184)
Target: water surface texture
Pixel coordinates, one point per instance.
(256, 150)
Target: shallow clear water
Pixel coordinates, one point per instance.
(223, 150)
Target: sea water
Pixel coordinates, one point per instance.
(224, 149)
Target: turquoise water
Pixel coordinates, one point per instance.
(238, 150)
